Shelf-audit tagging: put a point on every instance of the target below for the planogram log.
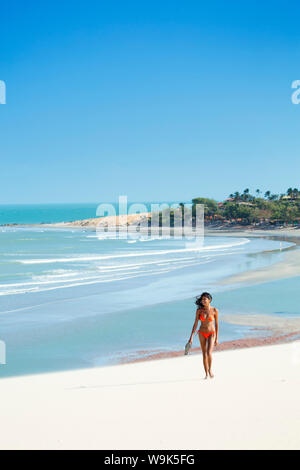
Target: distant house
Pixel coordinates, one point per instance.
(243, 203)
(293, 197)
(232, 199)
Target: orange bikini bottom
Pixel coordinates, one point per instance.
(206, 335)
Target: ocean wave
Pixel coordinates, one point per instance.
(135, 254)
(42, 286)
(77, 284)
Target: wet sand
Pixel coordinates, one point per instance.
(281, 330)
(288, 267)
(144, 355)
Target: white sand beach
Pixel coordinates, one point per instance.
(252, 403)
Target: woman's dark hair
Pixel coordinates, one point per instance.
(199, 299)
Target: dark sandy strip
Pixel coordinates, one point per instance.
(148, 355)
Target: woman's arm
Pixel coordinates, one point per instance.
(194, 326)
(217, 325)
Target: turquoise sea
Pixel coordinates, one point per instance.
(70, 298)
(45, 213)
(52, 213)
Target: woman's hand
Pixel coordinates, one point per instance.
(190, 341)
(216, 342)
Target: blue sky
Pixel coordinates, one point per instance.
(156, 100)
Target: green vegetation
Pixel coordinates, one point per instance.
(244, 208)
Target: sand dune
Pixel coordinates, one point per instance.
(118, 220)
(253, 403)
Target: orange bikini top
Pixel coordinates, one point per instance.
(206, 319)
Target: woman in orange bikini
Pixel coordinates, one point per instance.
(208, 333)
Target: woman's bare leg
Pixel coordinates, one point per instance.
(203, 342)
(210, 347)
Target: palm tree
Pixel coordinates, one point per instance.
(267, 194)
(293, 193)
(246, 194)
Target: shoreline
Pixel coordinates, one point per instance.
(241, 343)
(288, 267)
(121, 221)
